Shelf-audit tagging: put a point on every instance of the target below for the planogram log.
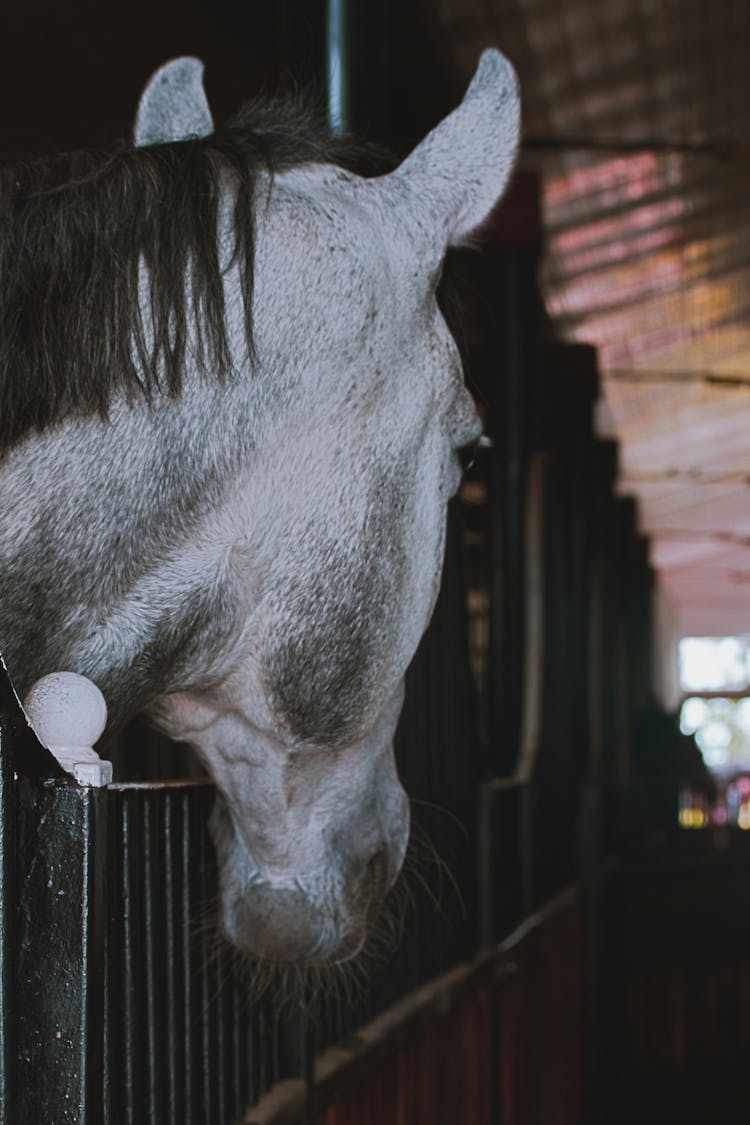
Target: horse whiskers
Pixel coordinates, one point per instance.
(422, 862)
(258, 979)
(205, 919)
(303, 990)
(418, 802)
(308, 991)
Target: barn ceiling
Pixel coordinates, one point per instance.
(637, 115)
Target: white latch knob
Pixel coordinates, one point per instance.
(68, 714)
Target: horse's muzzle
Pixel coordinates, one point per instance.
(316, 921)
(302, 885)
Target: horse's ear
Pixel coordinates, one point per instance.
(173, 106)
(454, 177)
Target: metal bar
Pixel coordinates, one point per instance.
(532, 686)
(60, 1016)
(337, 64)
(239, 1025)
(8, 1115)
(172, 891)
(486, 857)
(192, 1116)
(218, 1017)
(590, 882)
(130, 981)
(152, 909)
(527, 849)
(206, 1044)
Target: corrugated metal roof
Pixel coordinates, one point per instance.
(637, 114)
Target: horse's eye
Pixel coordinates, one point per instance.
(467, 455)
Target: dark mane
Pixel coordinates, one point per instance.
(74, 230)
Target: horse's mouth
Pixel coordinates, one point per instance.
(284, 926)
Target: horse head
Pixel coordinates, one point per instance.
(298, 598)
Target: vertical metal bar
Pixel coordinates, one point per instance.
(112, 1022)
(8, 1114)
(590, 856)
(256, 1052)
(486, 853)
(60, 953)
(21, 754)
(192, 1116)
(515, 340)
(218, 1021)
(172, 889)
(152, 907)
(337, 64)
(238, 1029)
(527, 848)
(131, 985)
(207, 1047)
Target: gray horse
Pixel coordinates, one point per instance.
(230, 417)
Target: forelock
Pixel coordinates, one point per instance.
(76, 232)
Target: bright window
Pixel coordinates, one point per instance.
(722, 730)
(715, 663)
(719, 717)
